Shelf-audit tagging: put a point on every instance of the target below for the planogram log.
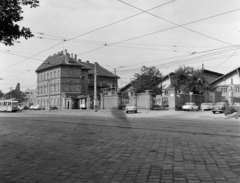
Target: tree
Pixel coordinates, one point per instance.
(10, 13)
(188, 79)
(149, 78)
(19, 95)
(1, 94)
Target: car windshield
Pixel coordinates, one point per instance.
(219, 103)
(189, 103)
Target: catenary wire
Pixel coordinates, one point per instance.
(163, 30)
(175, 23)
(86, 34)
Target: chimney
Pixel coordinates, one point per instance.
(71, 55)
(88, 61)
(79, 60)
(66, 56)
(75, 57)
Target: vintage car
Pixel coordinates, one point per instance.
(31, 107)
(190, 106)
(38, 107)
(206, 106)
(218, 107)
(131, 108)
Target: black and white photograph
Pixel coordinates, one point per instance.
(119, 91)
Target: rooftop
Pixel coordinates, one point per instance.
(60, 58)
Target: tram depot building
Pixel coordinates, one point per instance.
(65, 82)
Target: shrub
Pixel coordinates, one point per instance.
(229, 110)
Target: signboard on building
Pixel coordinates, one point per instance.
(231, 88)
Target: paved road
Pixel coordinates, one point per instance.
(68, 146)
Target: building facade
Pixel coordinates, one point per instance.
(225, 83)
(61, 79)
(209, 75)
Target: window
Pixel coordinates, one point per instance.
(224, 90)
(58, 73)
(54, 74)
(44, 77)
(51, 75)
(58, 101)
(237, 89)
(47, 75)
(54, 87)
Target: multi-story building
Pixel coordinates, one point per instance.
(68, 83)
(60, 80)
(105, 78)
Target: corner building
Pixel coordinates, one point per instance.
(61, 79)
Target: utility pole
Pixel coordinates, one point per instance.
(95, 87)
(116, 86)
(49, 102)
(203, 78)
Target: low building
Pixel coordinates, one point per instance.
(166, 83)
(30, 97)
(229, 85)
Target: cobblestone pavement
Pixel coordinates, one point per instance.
(114, 148)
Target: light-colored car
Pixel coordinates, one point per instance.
(206, 106)
(190, 106)
(131, 108)
(38, 107)
(31, 107)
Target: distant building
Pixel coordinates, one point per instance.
(30, 98)
(223, 84)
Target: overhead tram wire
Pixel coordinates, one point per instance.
(163, 30)
(20, 55)
(226, 59)
(102, 43)
(18, 74)
(183, 60)
(133, 47)
(175, 23)
(88, 33)
(183, 56)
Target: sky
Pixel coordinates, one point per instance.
(172, 34)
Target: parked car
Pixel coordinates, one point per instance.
(31, 107)
(190, 106)
(218, 107)
(131, 108)
(206, 106)
(20, 108)
(39, 107)
(53, 107)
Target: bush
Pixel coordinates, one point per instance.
(229, 110)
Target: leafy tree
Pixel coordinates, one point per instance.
(188, 79)
(1, 94)
(148, 79)
(19, 95)
(10, 13)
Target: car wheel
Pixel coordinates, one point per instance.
(213, 112)
(135, 111)
(126, 111)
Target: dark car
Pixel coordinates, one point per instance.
(218, 107)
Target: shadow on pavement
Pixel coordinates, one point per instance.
(121, 118)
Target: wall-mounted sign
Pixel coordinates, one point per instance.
(231, 88)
